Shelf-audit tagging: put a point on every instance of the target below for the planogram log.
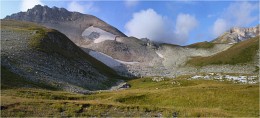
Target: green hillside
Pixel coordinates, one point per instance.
(204, 45)
(171, 97)
(243, 52)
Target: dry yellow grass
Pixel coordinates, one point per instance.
(204, 98)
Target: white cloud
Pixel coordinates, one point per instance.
(184, 24)
(82, 8)
(149, 24)
(27, 4)
(220, 26)
(74, 6)
(237, 14)
(241, 13)
(131, 3)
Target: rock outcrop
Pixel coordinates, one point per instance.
(72, 24)
(237, 34)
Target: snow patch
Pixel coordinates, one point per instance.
(236, 79)
(97, 34)
(108, 60)
(127, 62)
(159, 54)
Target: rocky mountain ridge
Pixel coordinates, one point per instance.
(43, 14)
(72, 24)
(130, 56)
(238, 34)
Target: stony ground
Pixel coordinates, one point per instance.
(163, 60)
(75, 74)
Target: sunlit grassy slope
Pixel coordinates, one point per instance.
(239, 53)
(205, 45)
(171, 97)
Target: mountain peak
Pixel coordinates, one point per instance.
(243, 30)
(237, 34)
(46, 8)
(63, 20)
(42, 14)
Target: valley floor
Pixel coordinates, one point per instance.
(147, 97)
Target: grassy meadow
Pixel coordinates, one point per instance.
(205, 45)
(171, 97)
(240, 53)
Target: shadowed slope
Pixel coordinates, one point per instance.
(45, 55)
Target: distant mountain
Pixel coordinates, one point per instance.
(237, 34)
(47, 58)
(130, 56)
(72, 24)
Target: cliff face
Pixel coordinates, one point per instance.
(237, 34)
(43, 14)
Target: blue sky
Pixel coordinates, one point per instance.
(179, 22)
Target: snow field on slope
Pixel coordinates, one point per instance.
(108, 60)
(103, 35)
